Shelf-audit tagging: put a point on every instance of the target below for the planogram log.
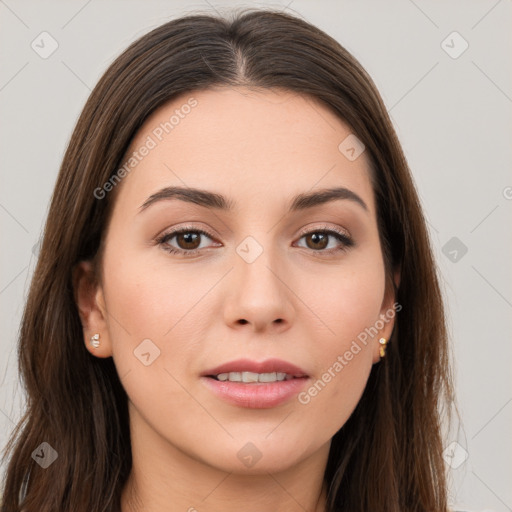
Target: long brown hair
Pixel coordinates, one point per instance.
(388, 455)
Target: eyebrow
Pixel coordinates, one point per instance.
(216, 201)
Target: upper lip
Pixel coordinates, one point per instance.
(267, 366)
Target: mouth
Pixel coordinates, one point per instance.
(254, 378)
(255, 385)
(252, 372)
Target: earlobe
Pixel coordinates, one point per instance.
(89, 300)
(382, 349)
(387, 317)
(397, 278)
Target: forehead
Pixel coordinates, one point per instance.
(243, 142)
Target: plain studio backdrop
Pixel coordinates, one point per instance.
(444, 72)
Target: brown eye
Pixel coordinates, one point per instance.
(188, 240)
(185, 241)
(318, 240)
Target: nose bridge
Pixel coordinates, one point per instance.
(259, 295)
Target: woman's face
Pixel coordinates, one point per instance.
(278, 278)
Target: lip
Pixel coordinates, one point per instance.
(256, 395)
(267, 366)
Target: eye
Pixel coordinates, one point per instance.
(318, 240)
(188, 240)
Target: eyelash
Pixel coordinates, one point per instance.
(342, 237)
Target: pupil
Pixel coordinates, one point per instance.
(319, 238)
(189, 238)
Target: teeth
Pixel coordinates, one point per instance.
(251, 377)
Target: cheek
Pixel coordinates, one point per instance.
(150, 300)
(348, 306)
(347, 301)
(146, 298)
(149, 310)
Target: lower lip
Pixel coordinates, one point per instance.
(256, 396)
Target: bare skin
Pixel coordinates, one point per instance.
(304, 299)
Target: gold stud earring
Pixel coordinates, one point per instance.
(95, 340)
(383, 342)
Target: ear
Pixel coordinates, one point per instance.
(387, 315)
(90, 302)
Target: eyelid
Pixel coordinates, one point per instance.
(325, 227)
(302, 232)
(183, 229)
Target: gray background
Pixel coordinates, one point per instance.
(453, 117)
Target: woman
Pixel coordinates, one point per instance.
(236, 304)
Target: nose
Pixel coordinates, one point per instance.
(258, 297)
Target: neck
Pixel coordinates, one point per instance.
(165, 478)
(228, 493)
